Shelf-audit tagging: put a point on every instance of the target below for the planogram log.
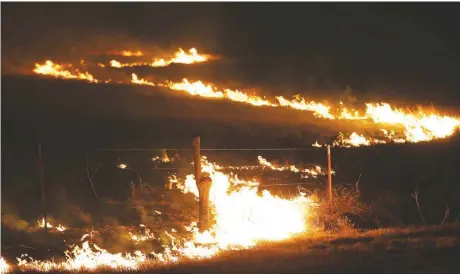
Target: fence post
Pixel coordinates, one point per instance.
(197, 158)
(329, 173)
(42, 185)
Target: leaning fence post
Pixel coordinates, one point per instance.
(42, 185)
(329, 173)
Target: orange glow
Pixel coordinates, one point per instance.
(132, 53)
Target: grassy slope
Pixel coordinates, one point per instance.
(409, 250)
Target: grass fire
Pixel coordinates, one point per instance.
(224, 138)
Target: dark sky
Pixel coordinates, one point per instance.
(394, 47)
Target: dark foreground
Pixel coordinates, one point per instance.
(425, 250)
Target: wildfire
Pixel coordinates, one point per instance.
(411, 126)
(58, 71)
(41, 224)
(242, 217)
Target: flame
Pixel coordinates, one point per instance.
(122, 166)
(313, 171)
(180, 57)
(4, 267)
(419, 126)
(242, 218)
(135, 80)
(58, 71)
(412, 126)
(41, 224)
(146, 236)
(299, 103)
(87, 257)
(132, 53)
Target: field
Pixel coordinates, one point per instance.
(432, 249)
(382, 230)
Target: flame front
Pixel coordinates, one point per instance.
(180, 57)
(58, 71)
(412, 126)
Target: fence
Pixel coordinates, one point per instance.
(203, 182)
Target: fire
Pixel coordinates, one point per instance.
(4, 267)
(419, 126)
(407, 125)
(58, 71)
(87, 257)
(122, 166)
(180, 57)
(306, 172)
(41, 224)
(146, 236)
(132, 53)
(135, 80)
(243, 217)
(299, 103)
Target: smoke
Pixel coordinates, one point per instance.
(14, 222)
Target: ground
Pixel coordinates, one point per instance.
(406, 250)
(423, 250)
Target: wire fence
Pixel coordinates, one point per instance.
(169, 167)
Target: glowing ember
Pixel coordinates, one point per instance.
(58, 71)
(4, 267)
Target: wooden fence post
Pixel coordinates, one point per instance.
(42, 186)
(329, 173)
(204, 186)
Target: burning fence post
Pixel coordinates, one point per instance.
(204, 185)
(329, 173)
